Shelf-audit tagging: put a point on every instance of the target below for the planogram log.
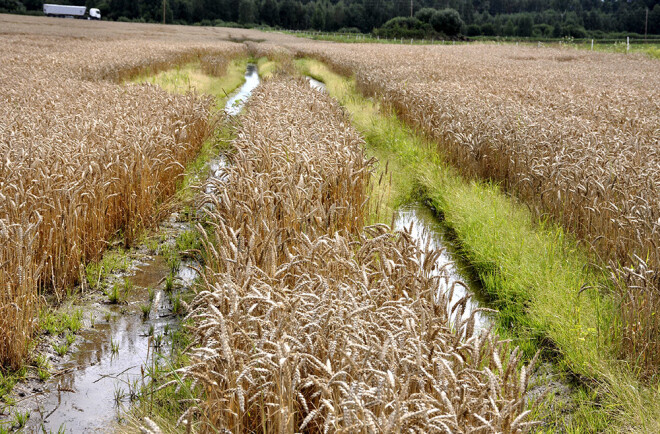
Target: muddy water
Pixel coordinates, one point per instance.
(237, 100)
(88, 391)
(427, 229)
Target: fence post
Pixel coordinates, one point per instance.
(592, 45)
(411, 41)
(627, 44)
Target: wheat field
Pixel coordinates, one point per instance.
(310, 321)
(308, 318)
(574, 134)
(84, 158)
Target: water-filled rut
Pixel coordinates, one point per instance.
(425, 229)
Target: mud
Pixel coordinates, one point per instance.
(106, 365)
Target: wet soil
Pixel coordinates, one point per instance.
(106, 365)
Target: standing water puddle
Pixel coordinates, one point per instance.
(110, 358)
(427, 229)
(237, 100)
(105, 370)
(315, 84)
(234, 105)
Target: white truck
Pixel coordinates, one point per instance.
(66, 11)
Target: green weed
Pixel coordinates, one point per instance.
(171, 257)
(113, 294)
(43, 374)
(146, 308)
(188, 241)
(61, 349)
(20, 419)
(114, 346)
(70, 338)
(177, 306)
(54, 323)
(169, 283)
(113, 261)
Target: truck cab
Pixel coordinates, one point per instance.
(94, 14)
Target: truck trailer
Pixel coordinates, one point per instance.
(66, 11)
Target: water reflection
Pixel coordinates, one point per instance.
(427, 229)
(237, 100)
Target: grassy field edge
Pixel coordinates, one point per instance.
(541, 281)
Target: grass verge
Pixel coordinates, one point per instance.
(548, 295)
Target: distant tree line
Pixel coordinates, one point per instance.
(524, 18)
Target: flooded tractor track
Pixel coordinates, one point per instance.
(425, 228)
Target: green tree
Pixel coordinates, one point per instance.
(11, 6)
(318, 18)
(509, 28)
(268, 13)
(488, 29)
(473, 30)
(425, 14)
(525, 25)
(247, 12)
(447, 21)
(654, 20)
(404, 27)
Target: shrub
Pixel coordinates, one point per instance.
(473, 30)
(447, 21)
(405, 27)
(425, 14)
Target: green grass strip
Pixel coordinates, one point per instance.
(190, 77)
(535, 274)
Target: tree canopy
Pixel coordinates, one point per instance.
(537, 18)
